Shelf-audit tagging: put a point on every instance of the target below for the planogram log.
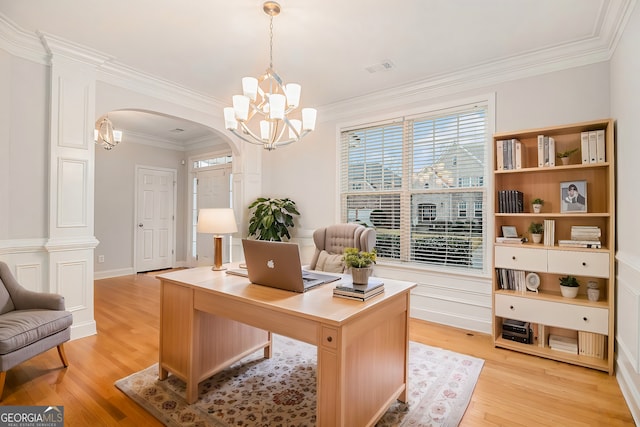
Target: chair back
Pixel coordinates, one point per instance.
(331, 242)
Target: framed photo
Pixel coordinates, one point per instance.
(573, 196)
(509, 231)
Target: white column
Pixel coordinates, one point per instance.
(71, 241)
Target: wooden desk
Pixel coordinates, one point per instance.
(209, 319)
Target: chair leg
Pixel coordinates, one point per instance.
(63, 356)
(3, 376)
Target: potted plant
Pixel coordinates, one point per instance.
(360, 263)
(535, 229)
(272, 218)
(569, 286)
(537, 205)
(564, 155)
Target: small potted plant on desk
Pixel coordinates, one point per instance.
(536, 204)
(360, 263)
(569, 286)
(564, 155)
(535, 228)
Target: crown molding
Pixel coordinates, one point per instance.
(58, 47)
(20, 43)
(597, 47)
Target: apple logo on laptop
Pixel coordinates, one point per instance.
(271, 264)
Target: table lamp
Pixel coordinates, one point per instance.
(217, 222)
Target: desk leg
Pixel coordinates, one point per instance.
(268, 350)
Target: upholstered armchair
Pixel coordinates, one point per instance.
(30, 323)
(331, 242)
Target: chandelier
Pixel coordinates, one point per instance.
(275, 102)
(105, 136)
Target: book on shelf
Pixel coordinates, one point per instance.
(509, 154)
(549, 230)
(600, 153)
(546, 151)
(511, 240)
(510, 201)
(585, 232)
(584, 147)
(512, 280)
(592, 344)
(566, 344)
(593, 244)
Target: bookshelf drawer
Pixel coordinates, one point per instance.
(569, 316)
(583, 263)
(521, 258)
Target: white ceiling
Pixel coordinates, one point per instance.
(327, 46)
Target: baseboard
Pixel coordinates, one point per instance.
(97, 275)
(82, 330)
(453, 320)
(629, 387)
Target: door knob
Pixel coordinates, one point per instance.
(140, 225)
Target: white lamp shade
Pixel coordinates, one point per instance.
(293, 94)
(216, 221)
(241, 107)
(276, 106)
(117, 136)
(309, 118)
(95, 135)
(250, 87)
(265, 130)
(230, 121)
(297, 125)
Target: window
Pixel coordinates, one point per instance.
(414, 180)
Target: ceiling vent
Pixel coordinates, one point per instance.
(385, 65)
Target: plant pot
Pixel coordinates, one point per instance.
(537, 208)
(569, 291)
(537, 238)
(361, 275)
(564, 160)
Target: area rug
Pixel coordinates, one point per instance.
(281, 391)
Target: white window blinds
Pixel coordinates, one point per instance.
(420, 182)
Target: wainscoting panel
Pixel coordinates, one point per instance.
(30, 276)
(71, 281)
(72, 193)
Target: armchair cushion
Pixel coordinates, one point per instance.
(21, 328)
(331, 263)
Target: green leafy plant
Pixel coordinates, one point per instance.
(569, 281)
(537, 202)
(567, 153)
(355, 258)
(535, 228)
(272, 218)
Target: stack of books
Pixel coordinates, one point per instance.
(583, 236)
(359, 292)
(566, 344)
(516, 240)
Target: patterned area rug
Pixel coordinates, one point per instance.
(281, 391)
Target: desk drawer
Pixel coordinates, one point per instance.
(521, 258)
(595, 264)
(569, 316)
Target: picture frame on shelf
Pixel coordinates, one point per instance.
(509, 231)
(573, 196)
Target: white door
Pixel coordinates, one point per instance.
(155, 223)
(214, 191)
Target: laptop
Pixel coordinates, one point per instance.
(277, 265)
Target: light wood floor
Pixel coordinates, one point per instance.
(513, 389)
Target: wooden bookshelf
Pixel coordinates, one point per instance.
(565, 316)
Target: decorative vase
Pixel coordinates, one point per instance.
(537, 238)
(593, 294)
(569, 291)
(361, 275)
(537, 208)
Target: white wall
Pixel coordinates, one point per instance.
(625, 107)
(115, 225)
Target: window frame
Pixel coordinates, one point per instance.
(482, 184)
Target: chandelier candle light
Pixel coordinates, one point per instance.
(272, 100)
(217, 221)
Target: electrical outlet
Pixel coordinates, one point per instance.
(100, 258)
